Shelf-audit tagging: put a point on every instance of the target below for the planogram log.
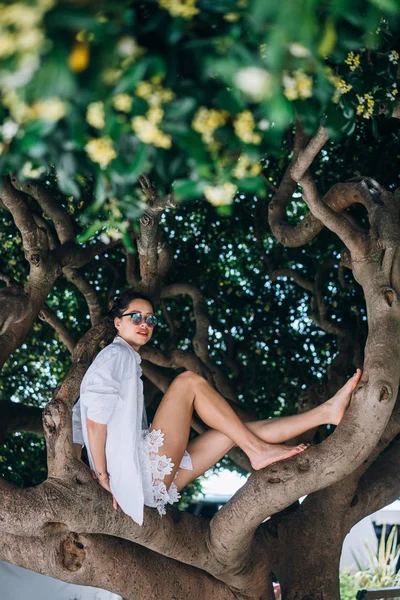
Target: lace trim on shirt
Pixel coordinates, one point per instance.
(160, 467)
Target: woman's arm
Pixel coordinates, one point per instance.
(97, 436)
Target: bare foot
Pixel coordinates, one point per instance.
(339, 403)
(274, 453)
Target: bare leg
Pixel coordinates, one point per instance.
(210, 447)
(190, 392)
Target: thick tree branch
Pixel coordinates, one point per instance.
(350, 235)
(379, 486)
(48, 316)
(62, 221)
(32, 236)
(88, 291)
(152, 267)
(85, 559)
(200, 340)
(74, 255)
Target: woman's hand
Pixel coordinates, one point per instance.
(104, 481)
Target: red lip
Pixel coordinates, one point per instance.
(145, 333)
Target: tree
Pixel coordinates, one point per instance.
(76, 141)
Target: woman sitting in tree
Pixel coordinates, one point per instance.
(141, 466)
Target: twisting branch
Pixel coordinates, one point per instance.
(88, 291)
(73, 255)
(355, 241)
(200, 340)
(51, 207)
(33, 238)
(48, 316)
(149, 240)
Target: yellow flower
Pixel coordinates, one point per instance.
(220, 195)
(365, 106)
(244, 168)
(95, 115)
(154, 93)
(394, 57)
(155, 114)
(185, 9)
(244, 128)
(297, 85)
(30, 173)
(149, 133)
(111, 76)
(254, 82)
(206, 121)
(30, 40)
(304, 84)
(127, 46)
(353, 60)
(101, 151)
(122, 102)
(78, 58)
(50, 109)
(20, 15)
(231, 17)
(8, 44)
(144, 90)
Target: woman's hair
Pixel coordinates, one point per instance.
(121, 303)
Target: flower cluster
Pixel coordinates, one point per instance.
(122, 102)
(298, 85)
(153, 92)
(341, 86)
(353, 60)
(394, 57)
(207, 120)
(147, 131)
(95, 115)
(391, 94)
(244, 128)
(50, 109)
(220, 195)
(245, 168)
(101, 151)
(21, 40)
(365, 106)
(255, 83)
(186, 9)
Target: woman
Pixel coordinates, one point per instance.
(141, 467)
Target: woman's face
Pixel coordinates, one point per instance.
(135, 334)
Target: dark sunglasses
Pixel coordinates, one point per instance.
(138, 318)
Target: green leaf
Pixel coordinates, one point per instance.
(184, 189)
(251, 185)
(390, 6)
(130, 80)
(90, 231)
(136, 167)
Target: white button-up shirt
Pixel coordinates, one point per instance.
(111, 393)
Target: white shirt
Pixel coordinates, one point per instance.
(112, 394)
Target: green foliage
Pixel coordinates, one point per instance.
(381, 571)
(197, 91)
(348, 585)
